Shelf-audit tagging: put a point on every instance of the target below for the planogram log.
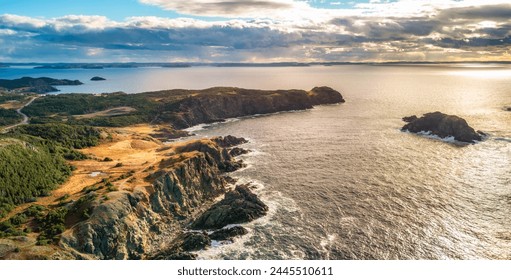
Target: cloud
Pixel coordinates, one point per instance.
(455, 32)
(232, 8)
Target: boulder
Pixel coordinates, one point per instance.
(238, 206)
(228, 233)
(194, 241)
(182, 244)
(234, 152)
(229, 141)
(442, 125)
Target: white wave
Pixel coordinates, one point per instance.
(503, 139)
(203, 126)
(430, 135)
(196, 127)
(240, 248)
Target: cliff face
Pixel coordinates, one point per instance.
(131, 225)
(207, 108)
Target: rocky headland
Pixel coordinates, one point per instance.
(443, 125)
(36, 85)
(132, 194)
(217, 104)
(154, 217)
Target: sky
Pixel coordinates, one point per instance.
(254, 31)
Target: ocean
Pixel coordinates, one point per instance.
(342, 181)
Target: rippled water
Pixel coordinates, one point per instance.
(343, 182)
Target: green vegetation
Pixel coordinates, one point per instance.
(56, 107)
(12, 97)
(39, 85)
(70, 136)
(12, 227)
(28, 170)
(33, 160)
(51, 226)
(9, 116)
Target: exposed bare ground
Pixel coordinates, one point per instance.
(130, 147)
(11, 104)
(108, 113)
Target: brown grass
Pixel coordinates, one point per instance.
(133, 147)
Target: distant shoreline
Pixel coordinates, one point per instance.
(44, 65)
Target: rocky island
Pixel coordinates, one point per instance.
(112, 187)
(443, 125)
(97, 78)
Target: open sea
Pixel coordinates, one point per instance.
(342, 181)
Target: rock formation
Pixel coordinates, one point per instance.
(442, 125)
(97, 78)
(142, 223)
(218, 104)
(238, 206)
(228, 233)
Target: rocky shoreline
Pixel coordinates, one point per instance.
(134, 195)
(154, 221)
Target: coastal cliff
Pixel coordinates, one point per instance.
(132, 194)
(131, 225)
(178, 107)
(217, 104)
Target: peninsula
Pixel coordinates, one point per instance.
(94, 176)
(35, 85)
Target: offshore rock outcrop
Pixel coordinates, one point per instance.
(97, 78)
(443, 125)
(218, 104)
(141, 223)
(228, 233)
(238, 206)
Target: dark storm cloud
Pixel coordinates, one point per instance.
(175, 38)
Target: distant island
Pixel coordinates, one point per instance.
(64, 66)
(97, 78)
(94, 176)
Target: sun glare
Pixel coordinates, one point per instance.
(490, 73)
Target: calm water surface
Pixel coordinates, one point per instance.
(342, 181)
